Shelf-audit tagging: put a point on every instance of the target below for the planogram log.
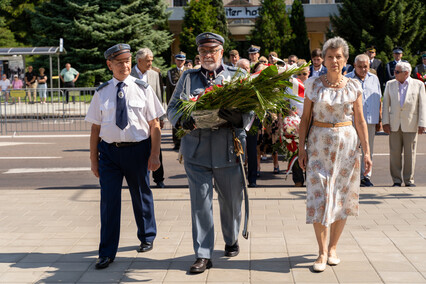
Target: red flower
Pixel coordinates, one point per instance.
(292, 147)
(207, 90)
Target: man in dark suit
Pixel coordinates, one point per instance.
(397, 53)
(173, 76)
(143, 70)
(317, 69)
(375, 63)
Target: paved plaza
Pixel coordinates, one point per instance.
(50, 234)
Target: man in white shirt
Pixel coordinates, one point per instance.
(371, 105)
(5, 86)
(124, 143)
(404, 116)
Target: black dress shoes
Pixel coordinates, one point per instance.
(200, 265)
(366, 182)
(146, 246)
(410, 185)
(252, 184)
(160, 184)
(233, 250)
(396, 184)
(103, 262)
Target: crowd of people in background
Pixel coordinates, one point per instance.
(368, 70)
(36, 83)
(340, 108)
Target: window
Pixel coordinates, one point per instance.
(180, 3)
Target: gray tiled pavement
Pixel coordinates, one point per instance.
(51, 236)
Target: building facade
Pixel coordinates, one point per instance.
(241, 15)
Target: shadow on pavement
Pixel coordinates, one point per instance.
(84, 186)
(60, 267)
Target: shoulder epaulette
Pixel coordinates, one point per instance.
(102, 85)
(142, 83)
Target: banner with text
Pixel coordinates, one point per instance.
(242, 12)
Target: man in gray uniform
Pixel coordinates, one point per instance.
(209, 153)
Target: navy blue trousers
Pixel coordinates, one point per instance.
(114, 165)
(251, 147)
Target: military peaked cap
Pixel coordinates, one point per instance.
(398, 49)
(180, 56)
(116, 50)
(254, 49)
(209, 39)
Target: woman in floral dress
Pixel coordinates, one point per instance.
(331, 159)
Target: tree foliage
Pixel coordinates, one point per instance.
(221, 25)
(383, 23)
(16, 14)
(202, 16)
(299, 43)
(272, 31)
(7, 39)
(90, 27)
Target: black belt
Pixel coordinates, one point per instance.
(124, 144)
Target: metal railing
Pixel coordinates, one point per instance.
(64, 110)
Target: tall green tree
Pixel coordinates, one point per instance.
(7, 39)
(202, 16)
(383, 23)
(90, 27)
(299, 43)
(272, 30)
(222, 23)
(16, 14)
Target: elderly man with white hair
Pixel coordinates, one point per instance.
(143, 70)
(244, 64)
(371, 105)
(404, 116)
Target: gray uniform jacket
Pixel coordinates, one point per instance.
(206, 147)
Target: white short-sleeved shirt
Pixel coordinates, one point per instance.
(4, 84)
(142, 107)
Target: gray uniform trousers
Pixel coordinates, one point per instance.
(229, 187)
(209, 154)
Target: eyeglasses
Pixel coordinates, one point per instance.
(397, 71)
(204, 52)
(304, 74)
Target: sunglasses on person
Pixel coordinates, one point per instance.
(304, 74)
(263, 61)
(397, 71)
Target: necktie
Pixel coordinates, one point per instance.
(121, 110)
